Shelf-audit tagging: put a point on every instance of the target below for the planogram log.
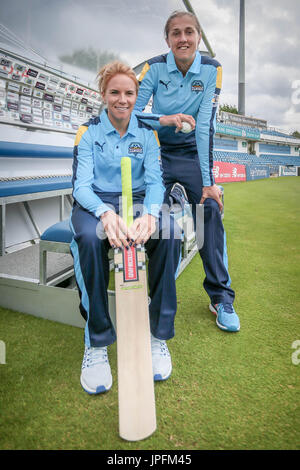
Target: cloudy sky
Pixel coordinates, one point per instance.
(133, 29)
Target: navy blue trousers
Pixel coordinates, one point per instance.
(184, 168)
(91, 265)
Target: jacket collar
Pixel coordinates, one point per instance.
(194, 68)
(108, 128)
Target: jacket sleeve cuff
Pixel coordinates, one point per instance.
(101, 209)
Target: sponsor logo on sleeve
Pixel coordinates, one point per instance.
(215, 100)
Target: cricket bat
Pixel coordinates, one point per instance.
(137, 414)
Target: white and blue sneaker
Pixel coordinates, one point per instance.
(227, 318)
(161, 359)
(95, 371)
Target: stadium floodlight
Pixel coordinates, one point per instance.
(242, 81)
(189, 8)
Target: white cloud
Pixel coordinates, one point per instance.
(291, 120)
(272, 54)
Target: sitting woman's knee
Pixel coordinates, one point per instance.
(92, 235)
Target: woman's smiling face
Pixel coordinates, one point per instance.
(120, 96)
(183, 39)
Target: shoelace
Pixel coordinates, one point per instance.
(93, 356)
(228, 308)
(159, 346)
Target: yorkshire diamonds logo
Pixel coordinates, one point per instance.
(135, 148)
(197, 86)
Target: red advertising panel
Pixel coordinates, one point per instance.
(224, 172)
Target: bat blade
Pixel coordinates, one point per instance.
(137, 414)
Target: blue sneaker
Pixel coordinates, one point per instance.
(227, 318)
(95, 372)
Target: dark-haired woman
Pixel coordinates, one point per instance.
(184, 81)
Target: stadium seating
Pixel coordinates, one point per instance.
(263, 159)
(280, 159)
(277, 133)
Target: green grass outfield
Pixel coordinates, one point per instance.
(227, 391)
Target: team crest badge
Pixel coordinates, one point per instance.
(197, 86)
(135, 148)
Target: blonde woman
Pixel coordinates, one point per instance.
(97, 225)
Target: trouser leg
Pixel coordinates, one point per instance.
(91, 266)
(214, 256)
(214, 250)
(164, 255)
